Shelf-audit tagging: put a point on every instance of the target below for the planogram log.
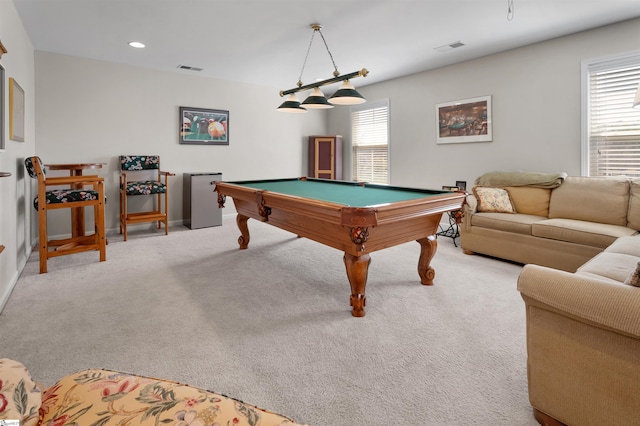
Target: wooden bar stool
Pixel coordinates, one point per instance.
(77, 196)
(141, 175)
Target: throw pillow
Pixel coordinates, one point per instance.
(494, 200)
(634, 278)
(20, 397)
(530, 200)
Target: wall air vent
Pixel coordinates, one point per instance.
(449, 46)
(187, 67)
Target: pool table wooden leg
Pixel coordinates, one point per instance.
(428, 247)
(357, 270)
(243, 239)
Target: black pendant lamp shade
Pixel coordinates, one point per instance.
(316, 100)
(347, 95)
(291, 105)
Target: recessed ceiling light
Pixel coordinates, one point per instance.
(136, 44)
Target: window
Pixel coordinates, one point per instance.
(611, 126)
(370, 142)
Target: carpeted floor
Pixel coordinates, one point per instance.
(272, 326)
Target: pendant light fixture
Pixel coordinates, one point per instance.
(346, 95)
(316, 100)
(292, 104)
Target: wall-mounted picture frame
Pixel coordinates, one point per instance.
(466, 120)
(201, 126)
(16, 111)
(461, 185)
(1, 108)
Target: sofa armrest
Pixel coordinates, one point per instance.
(468, 209)
(599, 302)
(20, 397)
(471, 204)
(100, 397)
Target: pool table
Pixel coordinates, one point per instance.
(356, 218)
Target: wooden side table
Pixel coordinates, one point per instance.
(453, 230)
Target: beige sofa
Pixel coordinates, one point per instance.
(559, 225)
(583, 339)
(579, 238)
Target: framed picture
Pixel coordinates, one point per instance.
(199, 126)
(450, 188)
(467, 120)
(16, 111)
(1, 106)
(461, 185)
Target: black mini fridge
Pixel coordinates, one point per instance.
(200, 201)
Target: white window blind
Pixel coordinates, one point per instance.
(613, 126)
(370, 142)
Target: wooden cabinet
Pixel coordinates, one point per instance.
(325, 157)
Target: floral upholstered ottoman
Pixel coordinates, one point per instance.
(103, 397)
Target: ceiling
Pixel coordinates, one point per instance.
(265, 42)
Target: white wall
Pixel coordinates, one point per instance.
(94, 111)
(14, 230)
(536, 110)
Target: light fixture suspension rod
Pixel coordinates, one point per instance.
(306, 56)
(362, 73)
(335, 67)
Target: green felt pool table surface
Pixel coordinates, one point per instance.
(352, 194)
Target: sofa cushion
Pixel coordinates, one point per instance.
(579, 231)
(100, 397)
(627, 245)
(594, 199)
(20, 397)
(529, 200)
(633, 217)
(518, 223)
(494, 200)
(615, 266)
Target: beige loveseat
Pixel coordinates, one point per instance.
(104, 397)
(560, 222)
(583, 339)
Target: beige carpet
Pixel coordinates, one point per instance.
(272, 326)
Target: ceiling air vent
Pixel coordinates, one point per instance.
(187, 67)
(450, 46)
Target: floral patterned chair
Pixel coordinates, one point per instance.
(103, 397)
(74, 195)
(141, 175)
